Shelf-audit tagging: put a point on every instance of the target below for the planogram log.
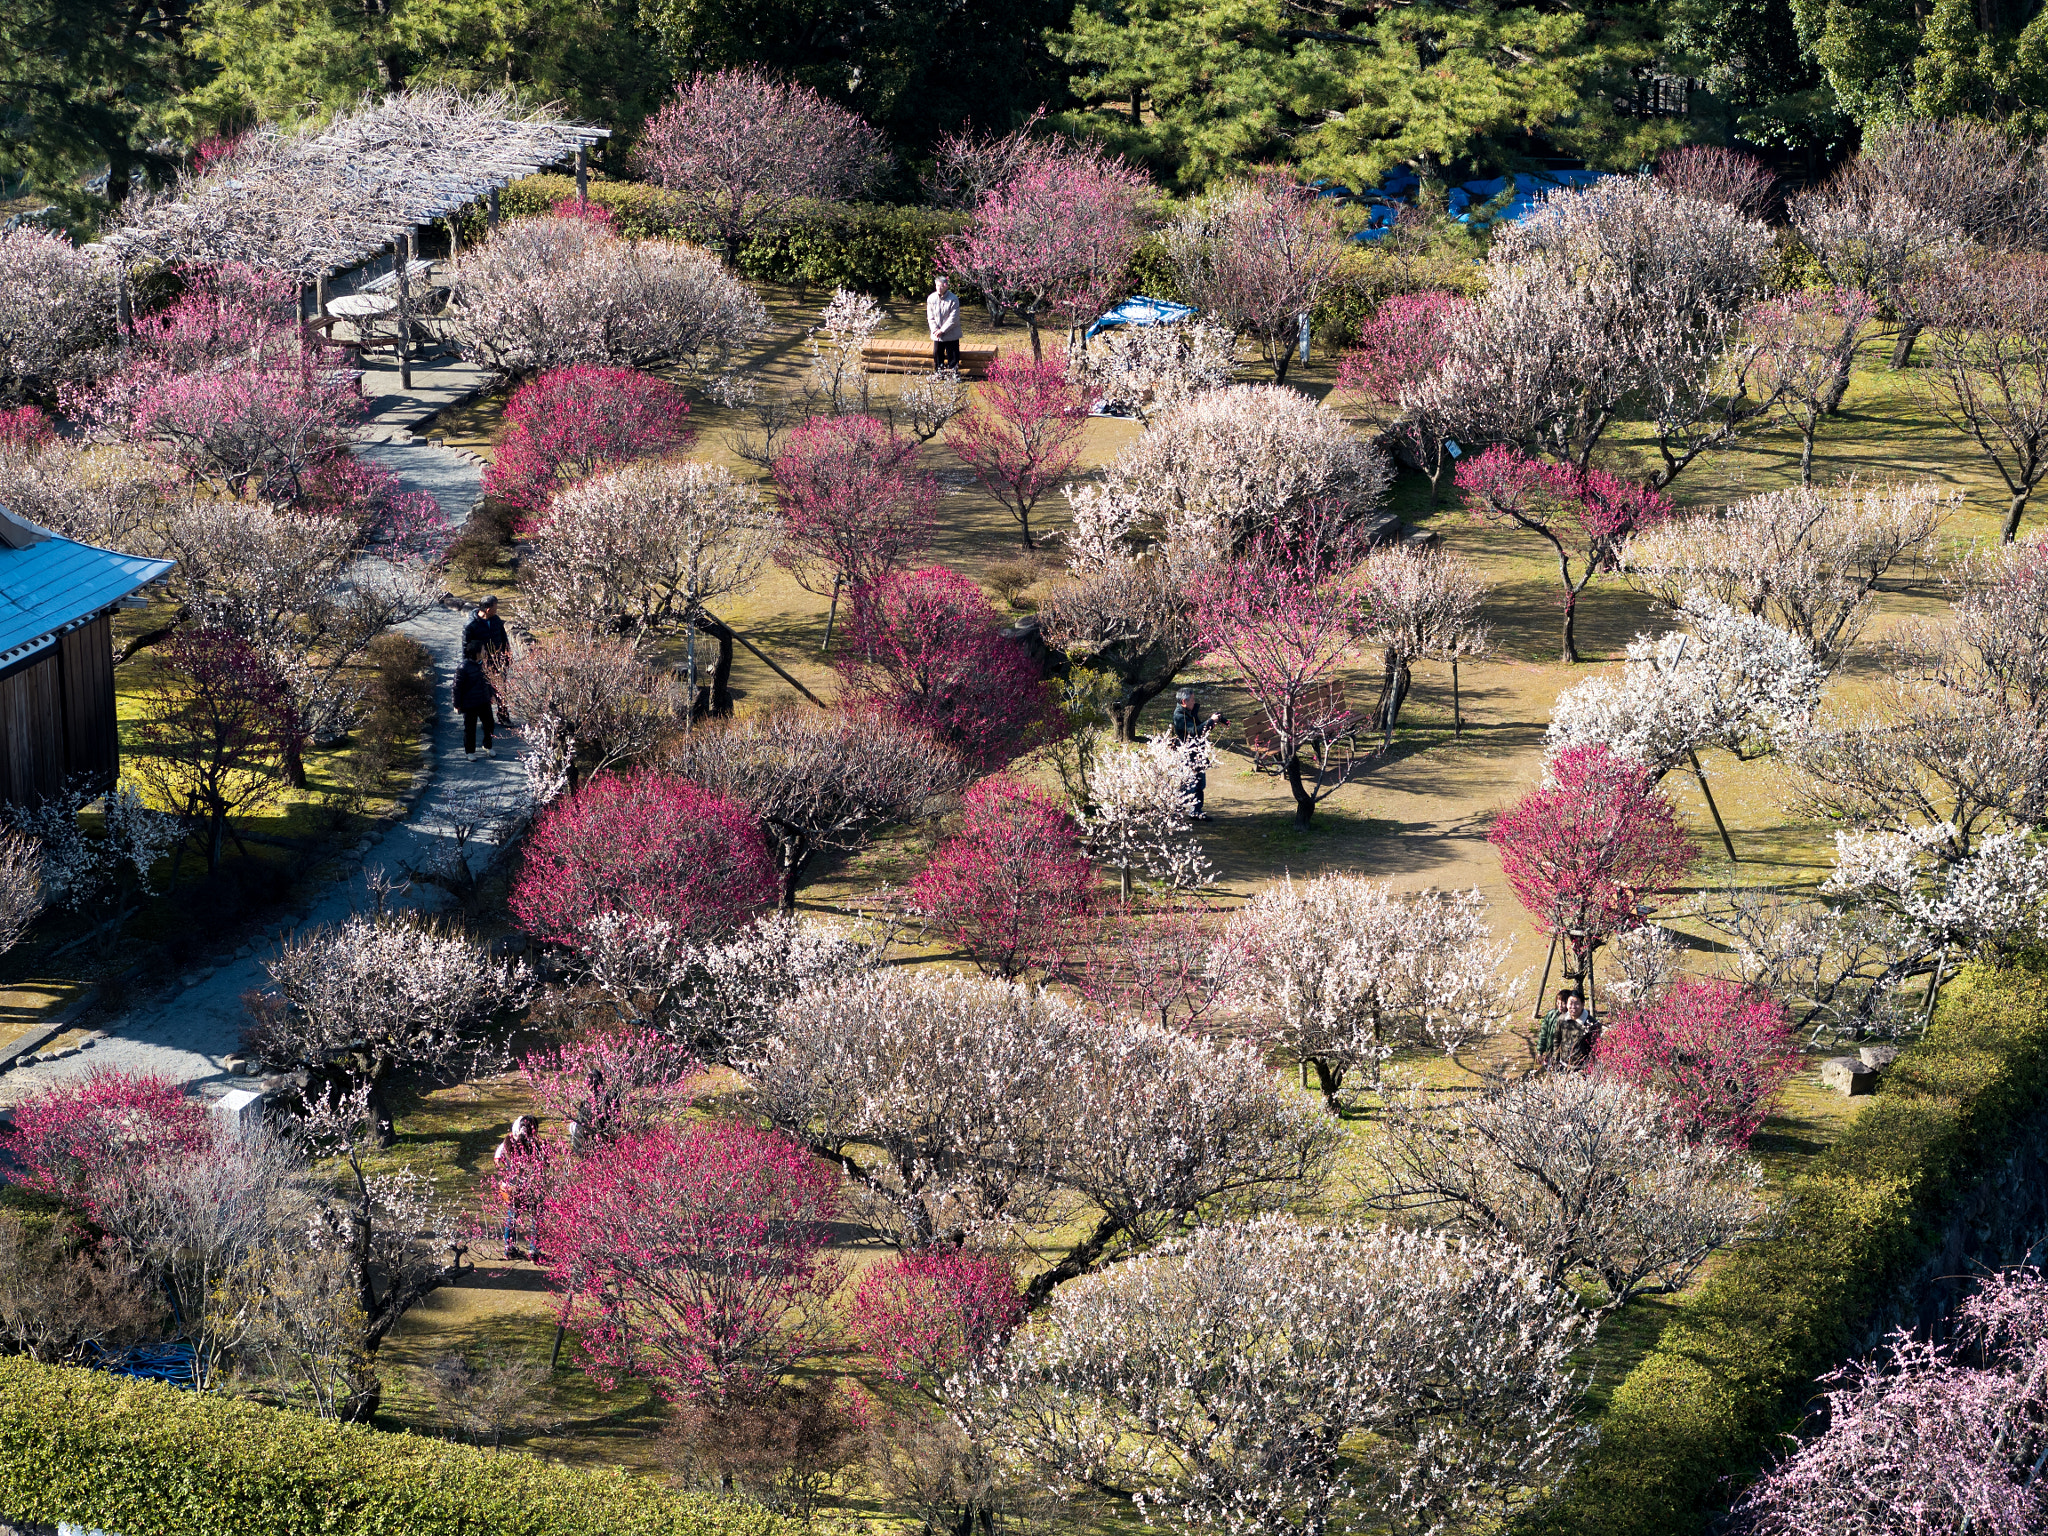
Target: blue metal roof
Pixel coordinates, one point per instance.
(48, 583)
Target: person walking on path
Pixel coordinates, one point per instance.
(1190, 730)
(516, 1164)
(485, 637)
(942, 319)
(477, 700)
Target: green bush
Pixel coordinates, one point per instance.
(875, 248)
(142, 1459)
(1735, 1368)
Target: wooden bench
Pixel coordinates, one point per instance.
(916, 357)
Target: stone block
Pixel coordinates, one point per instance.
(241, 1111)
(1877, 1057)
(1847, 1075)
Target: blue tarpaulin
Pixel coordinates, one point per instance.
(1139, 311)
(168, 1363)
(1530, 188)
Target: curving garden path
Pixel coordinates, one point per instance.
(189, 1035)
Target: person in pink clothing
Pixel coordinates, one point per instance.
(942, 319)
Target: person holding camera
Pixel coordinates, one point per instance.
(1188, 728)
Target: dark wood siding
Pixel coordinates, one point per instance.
(32, 730)
(92, 737)
(57, 717)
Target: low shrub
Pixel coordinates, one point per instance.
(874, 248)
(1734, 1369)
(480, 547)
(148, 1460)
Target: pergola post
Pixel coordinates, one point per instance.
(320, 300)
(583, 175)
(404, 249)
(455, 234)
(491, 213)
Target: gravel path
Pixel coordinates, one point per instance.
(188, 1035)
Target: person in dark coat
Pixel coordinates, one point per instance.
(477, 700)
(1188, 728)
(485, 635)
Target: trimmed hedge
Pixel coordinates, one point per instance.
(1735, 1368)
(142, 1459)
(874, 248)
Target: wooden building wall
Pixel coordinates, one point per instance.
(57, 717)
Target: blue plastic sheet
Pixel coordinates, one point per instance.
(1530, 188)
(167, 1363)
(1139, 311)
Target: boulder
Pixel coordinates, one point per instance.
(1847, 1075)
(1877, 1057)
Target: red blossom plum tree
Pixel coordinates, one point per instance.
(923, 1315)
(927, 650)
(738, 148)
(856, 504)
(1022, 433)
(570, 423)
(692, 1258)
(1585, 853)
(1399, 350)
(647, 845)
(1050, 241)
(1585, 516)
(1720, 1053)
(1012, 884)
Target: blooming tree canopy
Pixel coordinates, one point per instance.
(1217, 1380)
(1719, 1052)
(572, 422)
(1010, 886)
(1141, 812)
(856, 503)
(1342, 972)
(1257, 254)
(1022, 434)
(1585, 852)
(739, 148)
(56, 314)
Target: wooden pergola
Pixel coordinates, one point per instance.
(312, 203)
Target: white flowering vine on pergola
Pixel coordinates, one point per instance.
(314, 202)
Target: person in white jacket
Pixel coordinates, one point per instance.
(942, 319)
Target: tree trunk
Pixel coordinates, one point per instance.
(1078, 1261)
(721, 674)
(1839, 386)
(1902, 354)
(794, 857)
(1024, 522)
(1806, 460)
(2012, 516)
(1031, 324)
(1329, 1078)
(1403, 679)
(1571, 644)
(1304, 797)
(1282, 357)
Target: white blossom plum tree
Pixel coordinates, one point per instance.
(1591, 1178)
(1141, 810)
(1214, 1382)
(1342, 972)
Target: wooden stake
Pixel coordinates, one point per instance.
(1457, 712)
(830, 615)
(404, 256)
(1543, 986)
(583, 175)
(1701, 774)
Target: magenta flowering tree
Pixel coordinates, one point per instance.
(1022, 434)
(1720, 1052)
(618, 1082)
(1399, 349)
(1584, 515)
(77, 1140)
(24, 429)
(569, 423)
(739, 148)
(1012, 885)
(644, 845)
(922, 1315)
(926, 649)
(692, 1258)
(1050, 242)
(1928, 1437)
(855, 503)
(1584, 853)
(1287, 619)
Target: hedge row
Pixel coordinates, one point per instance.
(142, 1459)
(889, 251)
(1735, 1368)
(873, 248)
